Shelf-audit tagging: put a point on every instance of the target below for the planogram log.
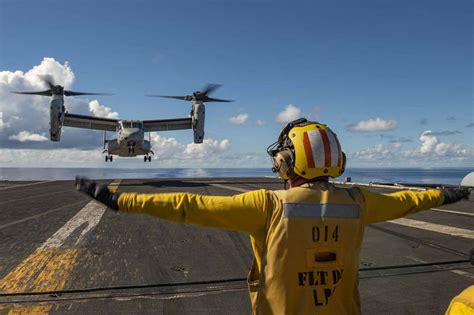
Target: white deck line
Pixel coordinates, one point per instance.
(456, 271)
(463, 273)
(86, 219)
(438, 228)
(89, 215)
(453, 212)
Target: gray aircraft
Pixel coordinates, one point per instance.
(130, 134)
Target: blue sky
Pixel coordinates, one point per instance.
(408, 63)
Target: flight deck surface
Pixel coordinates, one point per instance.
(61, 252)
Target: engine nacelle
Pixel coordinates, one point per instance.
(56, 117)
(198, 122)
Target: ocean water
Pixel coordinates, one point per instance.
(451, 176)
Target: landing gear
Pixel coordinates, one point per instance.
(131, 148)
(109, 157)
(147, 158)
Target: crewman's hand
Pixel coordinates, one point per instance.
(454, 194)
(98, 192)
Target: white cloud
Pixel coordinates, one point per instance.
(429, 152)
(102, 111)
(30, 113)
(169, 150)
(2, 124)
(378, 151)
(376, 124)
(432, 146)
(24, 136)
(239, 119)
(206, 149)
(290, 113)
(166, 148)
(428, 142)
(62, 74)
(260, 122)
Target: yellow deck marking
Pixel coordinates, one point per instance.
(47, 266)
(46, 269)
(36, 310)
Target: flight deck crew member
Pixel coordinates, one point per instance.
(306, 239)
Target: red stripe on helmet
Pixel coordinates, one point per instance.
(327, 148)
(307, 150)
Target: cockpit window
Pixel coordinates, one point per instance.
(129, 124)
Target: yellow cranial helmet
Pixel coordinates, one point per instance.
(307, 149)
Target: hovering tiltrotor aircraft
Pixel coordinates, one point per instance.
(130, 140)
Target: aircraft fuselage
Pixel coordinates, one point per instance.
(130, 140)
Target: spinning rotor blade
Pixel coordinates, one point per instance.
(72, 93)
(48, 79)
(43, 93)
(210, 99)
(198, 95)
(210, 88)
(56, 89)
(183, 98)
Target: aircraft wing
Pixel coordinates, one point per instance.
(167, 124)
(90, 122)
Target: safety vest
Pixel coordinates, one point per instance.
(311, 253)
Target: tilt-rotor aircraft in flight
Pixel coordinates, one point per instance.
(130, 134)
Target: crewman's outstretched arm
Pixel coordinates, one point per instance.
(244, 212)
(384, 207)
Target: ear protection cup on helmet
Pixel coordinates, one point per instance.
(343, 167)
(283, 164)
